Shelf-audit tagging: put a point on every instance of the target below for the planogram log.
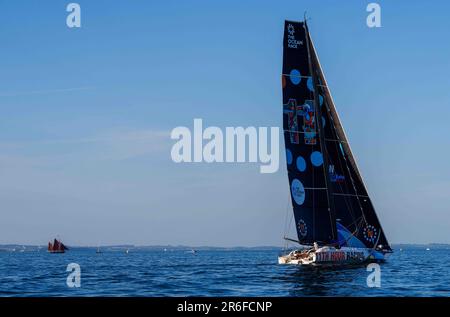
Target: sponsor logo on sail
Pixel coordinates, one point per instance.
(335, 177)
(370, 233)
(302, 228)
(292, 41)
(298, 192)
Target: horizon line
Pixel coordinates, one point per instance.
(192, 246)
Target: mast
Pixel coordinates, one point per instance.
(319, 124)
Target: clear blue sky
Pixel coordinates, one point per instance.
(85, 116)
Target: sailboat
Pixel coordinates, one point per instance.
(334, 216)
(56, 247)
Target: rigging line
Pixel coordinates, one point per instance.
(356, 222)
(292, 240)
(295, 76)
(337, 116)
(343, 194)
(286, 225)
(290, 221)
(317, 114)
(289, 226)
(292, 131)
(378, 239)
(354, 188)
(349, 207)
(351, 177)
(351, 156)
(354, 233)
(316, 188)
(332, 123)
(347, 204)
(313, 200)
(286, 218)
(334, 140)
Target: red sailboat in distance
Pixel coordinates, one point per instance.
(56, 247)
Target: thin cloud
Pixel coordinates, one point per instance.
(112, 145)
(117, 136)
(43, 92)
(128, 144)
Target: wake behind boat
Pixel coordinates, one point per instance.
(335, 220)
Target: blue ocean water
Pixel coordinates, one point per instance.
(414, 271)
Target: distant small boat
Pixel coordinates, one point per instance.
(428, 249)
(98, 250)
(127, 251)
(56, 247)
(192, 251)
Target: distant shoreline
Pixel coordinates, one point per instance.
(7, 247)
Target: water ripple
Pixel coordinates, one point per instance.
(411, 272)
